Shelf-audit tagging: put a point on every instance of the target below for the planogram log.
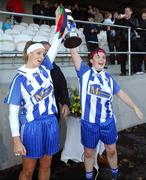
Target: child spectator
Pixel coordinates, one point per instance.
(6, 24)
(110, 35)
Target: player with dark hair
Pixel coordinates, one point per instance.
(97, 88)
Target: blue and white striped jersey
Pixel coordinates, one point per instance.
(96, 94)
(32, 90)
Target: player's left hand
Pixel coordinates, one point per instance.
(65, 110)
(57, 14)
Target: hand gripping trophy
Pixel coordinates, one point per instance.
(72, 39)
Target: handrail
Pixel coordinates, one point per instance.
(26, 15)
(129, 52)
(53, 18)
(67, 53)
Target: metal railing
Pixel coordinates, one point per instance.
(129, 52)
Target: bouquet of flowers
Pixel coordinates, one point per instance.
(75, 107)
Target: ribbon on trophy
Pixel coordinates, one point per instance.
(62, 23)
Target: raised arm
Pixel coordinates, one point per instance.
(127, 100)
(52, 52)
(75, 58)
(60, 25)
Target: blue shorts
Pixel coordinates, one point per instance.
(91, 133)
(41, 137)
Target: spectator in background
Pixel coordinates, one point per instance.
(115, 15)
(7, 24)
(51, 12)
(90, 31)
(110, 35)
(16, 6)
(143, 25)
(127, 19)
(98, 15)
(76, 12)
(90, 10)
(38, 9)
(141, 41)
(46, 12)
(117, 20)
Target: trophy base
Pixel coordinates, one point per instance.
(72, 42)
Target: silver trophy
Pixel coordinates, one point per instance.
(71, 39)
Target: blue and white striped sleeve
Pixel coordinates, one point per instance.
(14, 95)
(83, 68)
(116, 87)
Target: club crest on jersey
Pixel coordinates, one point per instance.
(42, 93)
(97, 91)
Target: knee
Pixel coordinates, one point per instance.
(27, 173)
(111, 151)
(45, 163)
(88, 154)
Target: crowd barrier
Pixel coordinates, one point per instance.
(129, 52)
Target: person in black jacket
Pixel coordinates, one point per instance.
(51, 13)
(127, 19)
(61, 97)
(90, 31)
(38, 9)
(141, 41)
(60, 88)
